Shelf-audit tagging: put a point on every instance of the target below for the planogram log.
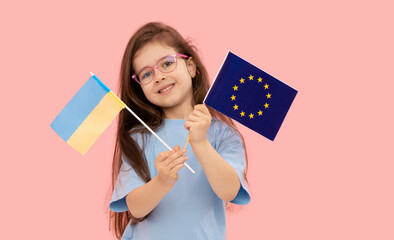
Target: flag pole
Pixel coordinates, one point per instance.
(188, 137)
(165, 144)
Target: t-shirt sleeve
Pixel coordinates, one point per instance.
(127, 181)
(232, 150)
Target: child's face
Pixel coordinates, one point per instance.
(179, 97)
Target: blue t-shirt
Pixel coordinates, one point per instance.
(191, 209)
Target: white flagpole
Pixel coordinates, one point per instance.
(165, 144)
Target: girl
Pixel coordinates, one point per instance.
(153, 197)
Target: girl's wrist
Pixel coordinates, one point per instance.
(162, 183)
(200, 144)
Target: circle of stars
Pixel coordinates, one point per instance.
(265, 106)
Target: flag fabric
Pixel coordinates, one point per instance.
(87, 115)
(250, 96)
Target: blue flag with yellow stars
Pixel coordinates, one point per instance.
(250, 96)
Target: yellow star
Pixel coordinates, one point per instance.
(242, 80)
(235, 88)
(266, 86)
(260, 79)
(260, 112)
(251, 116)
(250, 77)
(232, 98)
(242, 114)
(266, 105)
(235, 107)
(268, 95)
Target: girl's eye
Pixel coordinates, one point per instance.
(167, 64)
(145, 75)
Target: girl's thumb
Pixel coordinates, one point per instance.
(176, 148)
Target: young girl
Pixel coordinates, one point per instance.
(153, 196)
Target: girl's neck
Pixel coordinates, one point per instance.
(171, 114)
(178, 112)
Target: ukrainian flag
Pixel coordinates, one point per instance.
(87, 115)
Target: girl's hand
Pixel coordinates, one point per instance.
(198, 123)
(169, 163)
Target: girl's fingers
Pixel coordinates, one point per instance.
(193, 118)
(175, 170)
(176, 148)
(163, 156)
(176, 162)
(198, 113)
(202, 108)
(188, 125)
(173, 157)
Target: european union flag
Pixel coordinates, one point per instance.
(250, 96)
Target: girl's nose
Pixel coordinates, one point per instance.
(159, 76)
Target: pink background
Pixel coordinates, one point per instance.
(328, 174)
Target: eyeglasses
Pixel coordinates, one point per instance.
(166, 64)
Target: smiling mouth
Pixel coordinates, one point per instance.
(167, 88)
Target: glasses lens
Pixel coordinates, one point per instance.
(167, 64)
(145, 75)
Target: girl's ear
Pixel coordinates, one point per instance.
(191, 67)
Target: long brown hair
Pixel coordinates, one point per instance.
(132, 95)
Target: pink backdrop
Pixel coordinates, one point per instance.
(328, 174)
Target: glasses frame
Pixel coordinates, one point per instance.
(134, 76)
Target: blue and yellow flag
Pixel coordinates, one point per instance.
(250, 96)
(87, 115)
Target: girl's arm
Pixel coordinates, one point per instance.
(221, 175)
(142, 200)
